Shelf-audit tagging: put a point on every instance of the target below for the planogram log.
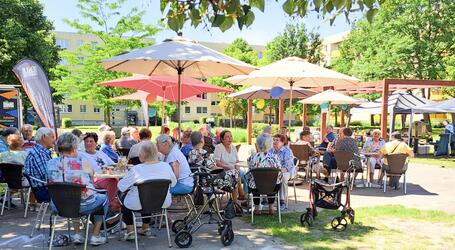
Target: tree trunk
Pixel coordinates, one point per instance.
(372, 120)
(230, 125)
(336, 118)
(107, 116)
(403, 121)
(453, 117)
(427, 119)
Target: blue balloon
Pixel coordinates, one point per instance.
(325, 105)
(276, 92)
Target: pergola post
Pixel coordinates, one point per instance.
(250, 120)
(385, 105)
(304, 114)
(342, 118)
(281, 113)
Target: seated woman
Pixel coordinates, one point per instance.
(199, 157)
(372, 147)
(226, 158)
(178, 163)
(150, 168)
(107, 140)
(263, 160)
(15, 154)
(71, 167)
(96, 160)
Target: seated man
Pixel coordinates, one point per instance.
(178, 163)
(329, 137)
(305, 139)
(27, 134)
(395, 146)
(145, 135)
(36, 162)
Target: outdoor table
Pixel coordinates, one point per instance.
(368, 184)
(115, 175)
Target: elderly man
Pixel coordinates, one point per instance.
(179, 164)
(286, 158)
(395, 146)
(329, 137)
(145, 135)
(37, 159)
(125, 141)
(267, 130)
(27, 134)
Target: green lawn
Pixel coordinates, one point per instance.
(440, 162)
(380, 227)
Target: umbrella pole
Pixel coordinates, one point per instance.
(291, 83)
(270, 111)
(179, 98)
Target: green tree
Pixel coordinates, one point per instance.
(241, 50)
(25, 33)
(223, 14)
(118, 33)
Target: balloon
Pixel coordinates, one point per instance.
(325, 105)
(260, 104)
(151, 98)
(276, 92)
(344, 107)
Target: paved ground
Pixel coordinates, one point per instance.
(429, 187)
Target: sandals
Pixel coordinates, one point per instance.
(145, 232)
(129, 236)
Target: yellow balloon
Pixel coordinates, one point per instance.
(260, 104)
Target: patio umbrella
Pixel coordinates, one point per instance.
(294, 71)
(332, 97)
(164, 86)
(177, 56)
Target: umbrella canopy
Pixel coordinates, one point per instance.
(177, 56)
(399, 103)
(294, 70)
(332, 97)
(257, 92)
(447, 106)
(165, 86)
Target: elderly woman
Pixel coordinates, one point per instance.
(96, 159)
(226, 158)
(107, 140)
(263, 160)
(372, 147)
(71, 167)
(198, 156)
(286, 158)
(150, 168)
(15, 154)
(179, 164)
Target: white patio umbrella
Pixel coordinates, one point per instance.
(177, 56)
(294, 71)
(258, 92)
(332, 97)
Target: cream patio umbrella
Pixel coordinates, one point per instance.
(332, 97)
(294, 71)
(177, 56)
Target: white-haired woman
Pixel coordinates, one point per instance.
(372, 147)
(107, 140)
(150, 168)
(263, 160)
(71, 167)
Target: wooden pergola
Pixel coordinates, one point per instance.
(389, 85)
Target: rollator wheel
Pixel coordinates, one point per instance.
(178, 225)
(183, 239)
(306, 219)
(227, 236)
(339, 224)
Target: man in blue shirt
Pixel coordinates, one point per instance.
(37, 158)
(449, 130)
(286, 158)
(329, 137)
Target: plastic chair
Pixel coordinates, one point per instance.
(343, 159)
(265, 181)
(12, 175)
(152, 194)
(398, 166)
(44, 204)
(293, 180)
(66, 198)
(302, 153)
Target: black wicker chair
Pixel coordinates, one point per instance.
(12, 176)
(265, 181)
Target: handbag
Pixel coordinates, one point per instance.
(198, 196)
(229, 210)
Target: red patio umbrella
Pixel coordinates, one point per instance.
(165, 86)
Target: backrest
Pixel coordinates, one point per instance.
(135, 160)
(342, 158)
(152, 194)
(34, 189)
(123, 151)
(66, 198)
(265, 179)
(302, 152)
(397, 163)
(12, 173)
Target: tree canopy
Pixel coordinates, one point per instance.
(79, 78)
(223, 14)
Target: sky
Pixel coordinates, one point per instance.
(266, 26)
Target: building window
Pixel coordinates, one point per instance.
(201, 110)
(214, 103)
(202, 96)
(96, 109)
(187, 110)
(62, 43)
(94, 44)
(66, 108)
(83, 108)
(79, 43)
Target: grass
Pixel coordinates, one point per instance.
(389, 227)
(441, 162)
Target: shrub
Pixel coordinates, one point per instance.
(196, 121)
(355, 123)
(67, 122)
(239, 135)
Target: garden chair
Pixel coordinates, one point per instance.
(397, 166)
(44, 204)
(265, 181)
(12, 176)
